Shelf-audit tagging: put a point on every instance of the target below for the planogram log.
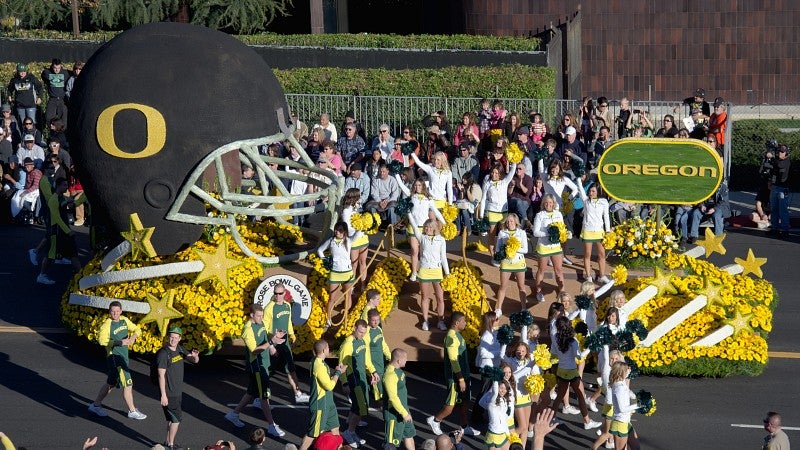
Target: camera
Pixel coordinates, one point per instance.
(768, 161)
(637, 111)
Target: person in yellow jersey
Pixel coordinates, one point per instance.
(116, 334)
(355, 354)
(373, 301)
(456, 372)
(378, 348)
(321, 405)
(278, 317)
(399, 425)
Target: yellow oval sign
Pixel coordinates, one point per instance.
(660, 170)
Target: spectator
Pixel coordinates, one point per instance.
(409, 136)
(466, 130)
(13, 177)
(761, 211)
(330, 158)
(437, 142)
(682, 213)
(623, 117)
(55, 148)
(643, 127)
(484, 113)
(716, 207)
(603, 141)
(718, 121)
(169, 361)
(29, 128)
(711, 140)
(573, 144)
(511, 125)
(587, 120)
(498, 116)
(439, 119)
(445, 442)
(384, 192)
(519, 192)
(6, 149)
(469, 197)
(26, 198)
(55, 80)
(776, 439)
(256, 439)
(699, 124)
(77, 68)
(464, 163)
(350, 146)
(219, 445)
(397, 153)
(25, 92)
(384, 142)
(300, 128)
(9, 123)
(373, 164)
(54, 169)
(538, 127)
(350, 118)
(668, 128)
(327, 127)
(358, 180)
(525, 144)
(314, 144)
(58, 131)
(779, 198)
(31, 150)
(698, 101)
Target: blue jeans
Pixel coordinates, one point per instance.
(298, 220)
(520, 208)
(465, 220)
(374, 207)
(697, 217)
(682, 221)
(26, 112)
(779, 201)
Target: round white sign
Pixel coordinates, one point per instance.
(297, 292)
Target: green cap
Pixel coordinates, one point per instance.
(176, 330)
(21, 67)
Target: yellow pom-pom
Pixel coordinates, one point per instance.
(620, 275)
(512, 247)
(541, 354)
(449, 231)
(534, 384)
(514, 154)
(450, 212)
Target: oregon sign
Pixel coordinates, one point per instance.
(666, 171)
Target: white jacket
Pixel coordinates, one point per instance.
(421, 206)
(504, 235)
(441, 180)
(433, 250)
(340, 252)
(595, 212)
(495, 193)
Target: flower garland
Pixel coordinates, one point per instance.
(465, 286)
(512, 247)
(514, 154)
(637, 239)
(534, 384)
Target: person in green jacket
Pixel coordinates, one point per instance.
(278, 317)
(321, 405)
(399, 426)
(378, 349)
(355, 354)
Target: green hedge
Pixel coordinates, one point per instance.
(748, 140)
(364, 40)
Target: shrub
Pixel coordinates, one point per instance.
(748, 141)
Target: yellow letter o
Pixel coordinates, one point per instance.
(156, 131)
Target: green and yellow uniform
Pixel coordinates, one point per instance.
(254, 335)
(456, 366)
(355, 354)
(395, 407)
(110, 336)
(323, 409)
(380, 353)
(278, 316)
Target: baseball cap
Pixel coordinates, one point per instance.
(523, 130)
(13, 159)
(22, 67)
(28, 138)
(176, 330)
(356, 166)
(700, 92)
(28, 160)
(570, 130)
(718, 101)
(6, 107)
(783, 148)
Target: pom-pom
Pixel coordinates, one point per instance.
(514, 438)
(534, 384)
(499, 253)
(634, 368)
(395, 167)
(581, 328)
(408, 147)
(361, 221)
(578, 168)
(327, 262)
(521, 319)
(539, 153)
(449, 231)
(625, 339)
(620, 275)
(636, 327)
(550, 381)
(542, 356)
(514, 154)
(450, 212)
(505, 334)
(646, 401)
(481, 226)
(599, 338)
(557, 233)
(567, 203)
(584, 302)
(403, 207)
(512, 247)
(492, 373)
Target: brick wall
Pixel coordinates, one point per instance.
(672, 47)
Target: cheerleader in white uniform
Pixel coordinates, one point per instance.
(554, 183)
(520, 359)
(500, 407)
(596, 224)
(360, 243)
(440, 178)
(515, 265)
(423, 207)
(546, 250)
(433, 268)
(494, 203)
(342, 269)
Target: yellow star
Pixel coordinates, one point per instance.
(712, 243)
(217, 264)
(161, 311)
(751, 264)
(663, 282)
(712, 292)
(740, 322)
(139, 238)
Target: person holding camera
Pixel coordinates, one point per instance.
(777, 165)
(169, 362)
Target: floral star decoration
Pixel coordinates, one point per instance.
(217, 264)
(712, 243)
(663, 282)
(161, 311)
(139, 238)
(751, 264)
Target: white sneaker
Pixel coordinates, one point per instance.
(413, 276)
(97, 409)
(63, 261)
(609, 444)
(591, 404)
(498, 312)
(136, 414)
(591, 424)
(233, 418)
(44, 279)
(569, 409)
(33, 256)
(425, 326)
(276, 431)
(442, 326)
(552, 394)
(540, 297)
(436, 427)
(589, 278)
(568, 261)
(351, 439)
(300, 397)
(256, 403)
(469, 431)
(604, 280)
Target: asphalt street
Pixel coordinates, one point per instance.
(48, 377)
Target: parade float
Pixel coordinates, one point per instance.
(190, 238)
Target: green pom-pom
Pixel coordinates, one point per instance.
(584, 302)
(395, 167)
(505, 334)
(598, 339)
(645, 400)
(493, 373)
(553, 234)
(581, 328)
(539, 153)
(481, 226)
(636, 327)
(634, 368)
(408, 147)
(327, 262)
(625, 339)
(578, 168)
(403, 207)
(521, 319)
(499, 254)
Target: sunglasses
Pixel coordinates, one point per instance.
(280, 293)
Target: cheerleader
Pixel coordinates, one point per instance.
(499, 408)
(516, 264)
(488, 347)
(605, 358)
(589, 316)
(547, 251)
(608, 409)
(555, 311)
(342, 269)
(433, 268)
(440, 178)
(618, 300)
(360, 243)
(568, 352)
(555, 182)
(622, 430)
(494, 203)
(423, 207)
(596, 223)
(570, 310)
(521, 361)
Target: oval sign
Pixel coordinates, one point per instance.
(300, 297)
(660, 170)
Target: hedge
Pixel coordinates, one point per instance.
(362, 40)
(748, 140)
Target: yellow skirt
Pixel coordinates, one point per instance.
(430, 274)
(410, 231)
(567, 374)
(340, 277)
(592, 236)
(620, 429)
(522, 400)
(608, 410)
(495, 217)
(360, 243)
(548, 249)
(519, 266)
(439, 204)
(495, 439)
